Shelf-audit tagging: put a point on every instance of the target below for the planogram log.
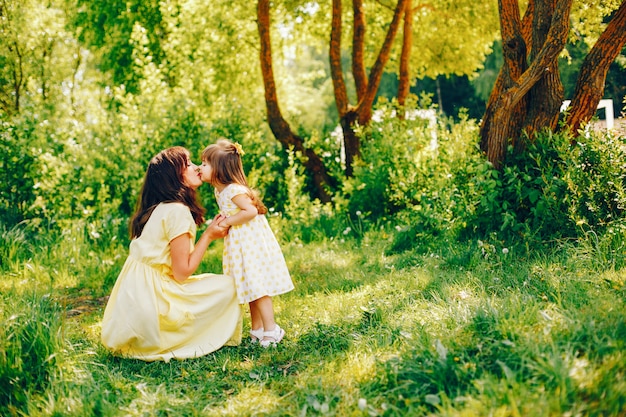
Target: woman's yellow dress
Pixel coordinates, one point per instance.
(150, 316)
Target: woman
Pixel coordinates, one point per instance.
(158, 310)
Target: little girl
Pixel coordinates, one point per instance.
(251, 253)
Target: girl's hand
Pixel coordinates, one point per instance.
(247, 210)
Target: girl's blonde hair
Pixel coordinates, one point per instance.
(224, 157)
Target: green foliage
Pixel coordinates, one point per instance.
(109, 25)
(394, 157)
(301, 220)
(528, 198)
(596, 180)
(17, 170)
(30, 340)
(82, 177)
(548, 191)
(460, 50)
(554, 190)
(406, 175)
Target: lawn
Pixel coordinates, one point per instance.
(472, 329)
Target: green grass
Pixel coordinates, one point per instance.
(464, 331)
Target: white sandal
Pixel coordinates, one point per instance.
(256, 335)
(272, 337)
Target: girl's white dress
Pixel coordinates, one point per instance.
(151, 316)
(251, 253)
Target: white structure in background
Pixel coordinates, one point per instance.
(607, 105)
(426, 114)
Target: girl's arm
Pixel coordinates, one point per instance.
(247, 211)
(184, 260)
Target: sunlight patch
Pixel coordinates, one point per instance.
(250, 399)
(153, 401)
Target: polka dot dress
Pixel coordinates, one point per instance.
(251, 253)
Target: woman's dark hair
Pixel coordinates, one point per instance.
(164, 183)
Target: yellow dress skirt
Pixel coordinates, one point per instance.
(150, 316)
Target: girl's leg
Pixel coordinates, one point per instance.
(256, 322)
(272, 332)
(255, 317)
(264, 308)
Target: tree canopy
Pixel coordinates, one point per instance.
(283, 75)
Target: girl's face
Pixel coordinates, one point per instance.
(205, 172)
(191, 175)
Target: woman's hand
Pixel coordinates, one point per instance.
(217, 229)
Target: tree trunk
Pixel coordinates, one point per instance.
(404, 82)
(279, 126)
(503, 76)
(527, 25)
(364, 108)
(495, 129)
(334, 52)
(358, 45)
(362, 112)
(18, 77)
(590, 84)
(546, 96)
(346, 112)
(507, 111)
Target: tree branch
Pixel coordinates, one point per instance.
(339, 85)
(364, 108)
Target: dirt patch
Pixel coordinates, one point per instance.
(78, 302)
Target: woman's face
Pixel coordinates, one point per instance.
(191, 175)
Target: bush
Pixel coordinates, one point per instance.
(303, 220)
(527, 199)
(421, 185)
(596, 180)
(16, 170)
(553, 189)
(394, 168)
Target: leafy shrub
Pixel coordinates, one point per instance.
(596, 179)
(394, 165)
(527, 199)
(17, 164)
(421, 183)
(549, 191)
(553, 188)
(303, 220)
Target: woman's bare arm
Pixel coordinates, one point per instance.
(184, 260)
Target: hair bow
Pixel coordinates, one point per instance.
(239, 149)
